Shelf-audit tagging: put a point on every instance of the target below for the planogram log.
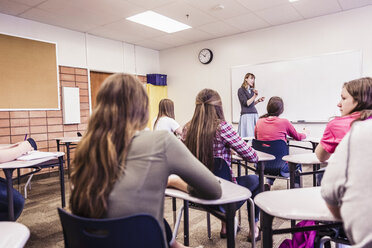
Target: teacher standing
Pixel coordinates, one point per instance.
(247, 97)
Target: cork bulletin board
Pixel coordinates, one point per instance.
(28, 74)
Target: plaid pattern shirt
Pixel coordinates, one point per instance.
(227, 138)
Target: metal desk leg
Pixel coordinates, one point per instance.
(292, 170)
(57, 145)
(230, 214)
(9, 180)
(267, 229)
(174, 208)
(261, 169)
(62, 181)
(186, 223)
(67, 144)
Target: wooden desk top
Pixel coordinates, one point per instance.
(307, 139)
(231, 192)
(295, 204)
(303, 158)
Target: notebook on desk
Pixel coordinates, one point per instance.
(36, 155)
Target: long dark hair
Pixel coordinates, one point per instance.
(201, 131)
(275, 107)
(121, 110)
(166, 108)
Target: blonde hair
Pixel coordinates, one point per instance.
(121, 110)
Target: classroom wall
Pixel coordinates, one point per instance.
(77, 49)
(348, 30)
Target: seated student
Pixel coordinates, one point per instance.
(7, 154)
(209, 136)
(120, 170)
(165, 119)
(346, 183)
(270, 127)
(356, 96)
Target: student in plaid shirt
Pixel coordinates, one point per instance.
(209, 136)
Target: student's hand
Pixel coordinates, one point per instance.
(261, 99)
(175, 181)
(255, 92)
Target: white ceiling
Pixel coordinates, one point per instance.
(106, 18)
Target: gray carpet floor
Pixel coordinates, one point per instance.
(41, 217)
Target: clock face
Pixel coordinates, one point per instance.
(205, 56)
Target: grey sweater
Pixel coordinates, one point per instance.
(152, 157)
(244, 95)
(347, 183)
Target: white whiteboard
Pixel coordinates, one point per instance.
(71, 105)
(310, 87)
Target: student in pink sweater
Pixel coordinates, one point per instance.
(355, 104)
(270, 127)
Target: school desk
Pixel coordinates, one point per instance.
(70, 143)
(314, 141)
(305, 159)
(13, 234)
(262, 158)
(9, 167)
(293, 204)
(231, 194)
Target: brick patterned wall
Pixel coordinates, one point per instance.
(43, 125)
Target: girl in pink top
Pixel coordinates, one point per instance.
(271, 127)
(355, 104)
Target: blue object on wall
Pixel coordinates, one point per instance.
(157, 79)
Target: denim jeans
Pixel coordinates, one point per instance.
(18, 202)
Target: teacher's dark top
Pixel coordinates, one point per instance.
(244, 95)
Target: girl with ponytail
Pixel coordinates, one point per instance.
(209, 136)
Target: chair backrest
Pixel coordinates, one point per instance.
(141, 230)
(278, 148)
(221, 169)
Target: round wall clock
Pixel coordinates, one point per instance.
(205, 56)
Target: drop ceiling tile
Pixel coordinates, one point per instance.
(12, 8)
(150, 4)
(179, 11)
(115, 8)
(29, 2)
(247, 22)
(255, 5)
(280, 14)
(313, 8)
(72, 21)
(221, 9)
(350, 4)
(171, 40)
(193, 35)
(156, 45)
(219, 29)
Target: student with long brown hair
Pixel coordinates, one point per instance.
(120, 170)
(165, 119)
(209, 136)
